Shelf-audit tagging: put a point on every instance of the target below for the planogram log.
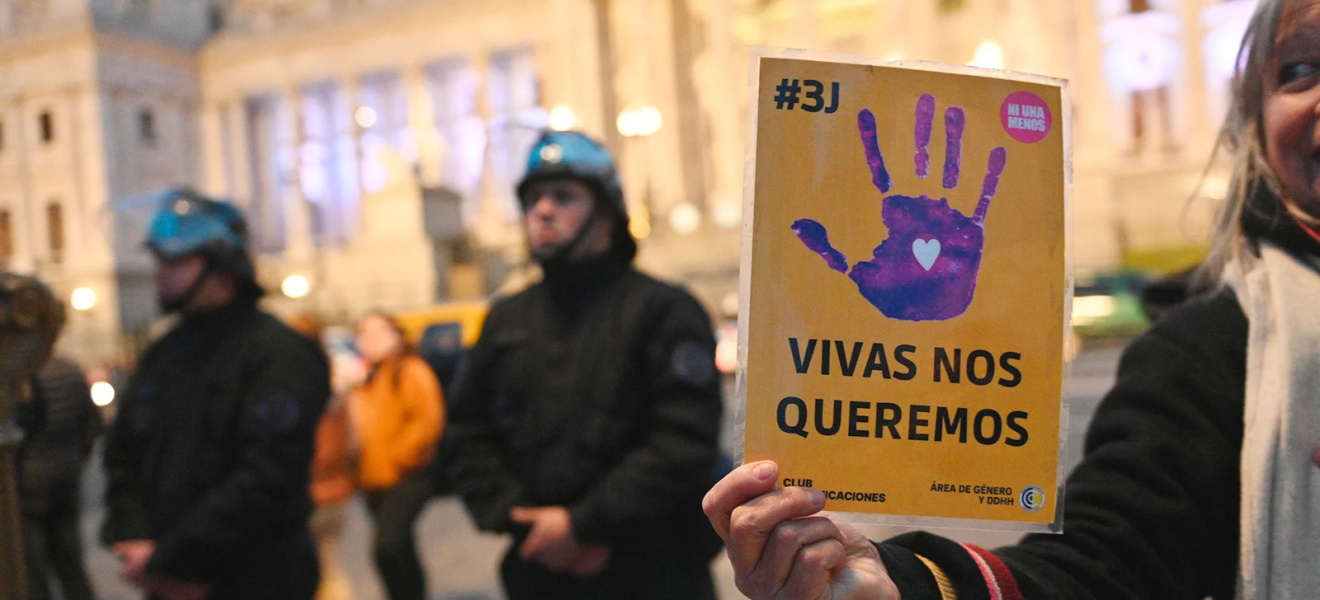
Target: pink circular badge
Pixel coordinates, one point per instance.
(1026, 117)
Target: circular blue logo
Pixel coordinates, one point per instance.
(1032, 498)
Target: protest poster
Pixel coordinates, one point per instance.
(905, 287)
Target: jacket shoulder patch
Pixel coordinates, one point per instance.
(693, 364)
(278, 411)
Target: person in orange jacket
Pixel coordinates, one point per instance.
(332, 477)
(398, 415)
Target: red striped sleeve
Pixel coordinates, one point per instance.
(1005, 585)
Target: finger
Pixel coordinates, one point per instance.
(812, 570)
(998, 158)
(532, 545)
(789, 538)
(737, 488)
(813, 235)
(925, 117)
(522, 515)
(955, 121)
(866, 126)
(751, 524)
(855, 543)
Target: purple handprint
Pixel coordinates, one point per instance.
(926, 269)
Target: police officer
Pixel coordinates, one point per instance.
(208, 459)
(586, 424)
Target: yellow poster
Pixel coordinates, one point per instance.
(905, 278)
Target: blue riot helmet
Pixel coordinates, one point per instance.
(572, 154)
(187, 224)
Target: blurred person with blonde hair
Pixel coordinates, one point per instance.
(398, 416)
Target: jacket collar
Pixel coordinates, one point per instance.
(1265, 219)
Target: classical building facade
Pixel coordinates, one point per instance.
(98, 101)
(375, 143)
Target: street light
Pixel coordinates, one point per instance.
(685, 219)
(562, 118)
(103, 393)
(642, 122)
(365, 117)
(82, 299)
(988, 55)
(295, 286)
(639, 222)
(727, 214)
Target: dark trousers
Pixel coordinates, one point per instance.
(280, 568)
(395, 511)
(53, 547)
(635, 573)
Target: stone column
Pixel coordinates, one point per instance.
(239, 150)
(23, 225)
(806, 31)
(489, 218)
(421, 124)
(562, 81)
(1194, 127)
(215, 176)
(351, 85)
(1096, 109)
(298, 225)
(727, 117)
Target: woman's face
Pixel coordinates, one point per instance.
(1292, 105)
(377, 340)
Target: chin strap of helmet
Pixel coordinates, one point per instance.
(563, 253)
(181, 303)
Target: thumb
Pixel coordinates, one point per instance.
(814, 236)
(523, 515)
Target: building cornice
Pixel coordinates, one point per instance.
(146, 50)
(82, 36)
(238, 46)
(74, 35)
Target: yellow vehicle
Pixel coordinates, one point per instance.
(442, 334)
(468, 316)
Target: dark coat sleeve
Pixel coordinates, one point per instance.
(127, 516)
(676, 460)
(1152, 510)
(286, 386)
(480, 467)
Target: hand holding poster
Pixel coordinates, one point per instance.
(906, 284)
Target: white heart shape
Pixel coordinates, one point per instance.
(926, 252)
